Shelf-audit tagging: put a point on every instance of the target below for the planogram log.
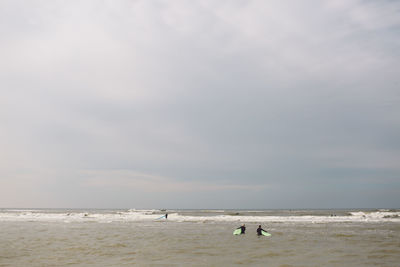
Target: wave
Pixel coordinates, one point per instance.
(134, 215)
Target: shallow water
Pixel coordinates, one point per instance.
(34, 242)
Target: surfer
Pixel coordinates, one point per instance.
(242, 228)
(259, 230)
(166, 215)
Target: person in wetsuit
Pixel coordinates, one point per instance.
(259, 230)
(166, 215)
(243, 228)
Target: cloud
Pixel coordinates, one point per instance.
(203, 93)
(141, 182)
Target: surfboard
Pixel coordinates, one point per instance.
(265, 233)
(160, 217)
(237, 231)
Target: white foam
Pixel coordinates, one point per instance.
(377, 215)
(151, 215)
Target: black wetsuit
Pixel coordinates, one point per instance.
(166, 216)
(243, 228)
(259, 229)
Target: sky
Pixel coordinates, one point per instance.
(200, 104)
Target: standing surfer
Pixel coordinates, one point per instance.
(242, 228)
(259, 230)
(166, 215)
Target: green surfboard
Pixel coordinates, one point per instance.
(237, 231)
(265, 233)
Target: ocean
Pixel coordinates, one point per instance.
(95, 237)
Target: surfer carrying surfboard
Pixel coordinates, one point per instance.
(260, 230)
(242, 228)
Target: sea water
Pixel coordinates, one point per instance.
(51, 237)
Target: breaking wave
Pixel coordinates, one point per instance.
(134, 215)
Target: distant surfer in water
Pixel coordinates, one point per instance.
(259, 230)
(242, 228)
(166, 215)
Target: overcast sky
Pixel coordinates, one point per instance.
(200, 104)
